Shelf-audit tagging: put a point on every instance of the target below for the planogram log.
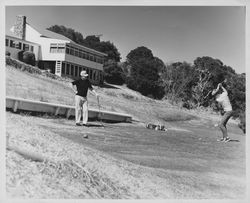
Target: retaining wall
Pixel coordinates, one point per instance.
(64, 110)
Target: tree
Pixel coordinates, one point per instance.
(113, 73)
(210, 72)
(178, 79)
(139, 53)
(67, 32)
(143, 69)
(91, 41)
(109, 49)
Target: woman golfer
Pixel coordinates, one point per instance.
(222, 98)
(81, 102)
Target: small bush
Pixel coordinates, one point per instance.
(7, 53)
(20, 55)
(29, 58)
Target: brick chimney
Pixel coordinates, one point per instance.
(20, 27)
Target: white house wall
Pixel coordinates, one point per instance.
(13, 52)
(45, 55)
(45, 50)
(31, 34)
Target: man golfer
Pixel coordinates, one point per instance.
(80, 87)
(222, 98)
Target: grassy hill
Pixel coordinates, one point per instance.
(114, 98)
(120, 161)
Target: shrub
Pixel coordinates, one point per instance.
(29, 58)
(20, 55)
(7, 53)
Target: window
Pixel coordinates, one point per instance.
(80, 54)
(72, 70)
(76, 70)
(57, 48)
(84, 55)
(67, 70)
(71, 51)
(25, 47)
(63, 68)
(67, 50)
(61, 49)
(91, 58)
(53, 48)
(18, 45)
(6, 42)
(31, 48)
(77, 52)
(100, 60)
(90, 74)
(12, 44)
(80, 69)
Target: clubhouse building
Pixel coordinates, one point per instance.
(55, 52)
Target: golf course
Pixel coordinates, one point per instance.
(118, 160)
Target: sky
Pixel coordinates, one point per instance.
(172, 33)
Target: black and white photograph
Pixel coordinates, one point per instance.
(136, 101)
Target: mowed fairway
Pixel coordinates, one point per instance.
(188, 158)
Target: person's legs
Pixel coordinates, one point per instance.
(223, 123)
(78, 109)
(85, 111)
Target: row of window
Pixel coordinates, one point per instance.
(18, 45)
(75, 70)
(60, 48)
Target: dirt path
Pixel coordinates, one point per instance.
(185, 162)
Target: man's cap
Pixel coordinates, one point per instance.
(83, 73)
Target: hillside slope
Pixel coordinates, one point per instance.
(114, 98)
(118, 161)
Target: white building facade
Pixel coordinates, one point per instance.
(59, 54)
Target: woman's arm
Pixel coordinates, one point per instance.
(217, 89)
(224, 90)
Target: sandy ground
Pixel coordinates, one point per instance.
(185, 162)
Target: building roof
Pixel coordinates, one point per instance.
(53, 35)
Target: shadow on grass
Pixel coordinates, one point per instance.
(179, 117)
(234, 140)
(94, 125)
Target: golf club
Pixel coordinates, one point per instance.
(99, 112)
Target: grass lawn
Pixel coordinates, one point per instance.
(122, 160)
(112, 98)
